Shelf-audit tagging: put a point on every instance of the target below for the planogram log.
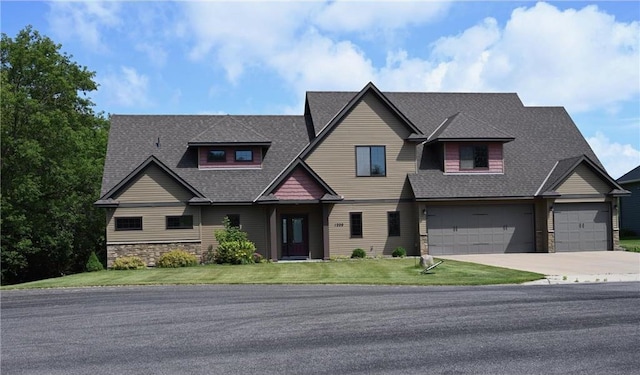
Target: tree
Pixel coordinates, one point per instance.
(52, 155)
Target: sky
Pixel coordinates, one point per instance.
(213, 57)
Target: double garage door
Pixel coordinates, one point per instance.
(480, 229)
(581, 226)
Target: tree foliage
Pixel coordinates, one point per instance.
(52, 155)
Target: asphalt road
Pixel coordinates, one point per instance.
(552, 329)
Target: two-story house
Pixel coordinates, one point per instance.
(436, 173)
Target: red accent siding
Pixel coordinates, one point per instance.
(452, 159)
(298, 186)
(230, 155)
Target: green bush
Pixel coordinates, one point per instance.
(399, 252)
(358, 253)
(93, 264)
(209, 256)
(258, 258)
(177, 258)
(128, 263)
(233, 245)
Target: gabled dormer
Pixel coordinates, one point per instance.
(230, 144)
(469, 145)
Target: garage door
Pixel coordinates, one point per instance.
(480, 229)
(581, 226)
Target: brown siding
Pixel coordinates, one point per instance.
(253, 220)
(154, 185)
(374, 229)
(368, 124)
(299, 185)
(153, 225)
(583, 181)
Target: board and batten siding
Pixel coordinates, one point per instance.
(452, 159)
(153, 225)
(253, 220)
(583, 181)
(369, 123)
(153, 185)
(375, 240)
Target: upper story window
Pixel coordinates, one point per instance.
(474, 157)
(216, 156)
(244, 155)
(371, 161)
(128, 223)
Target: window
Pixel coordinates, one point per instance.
(474, 157)
(180, 222)
(234, 220)
(393, 223)
(129, 223)
(217, 156)
(244, 155)
(371, 161)
(355, 220)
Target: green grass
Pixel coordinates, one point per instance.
(631, 244)
(368, 271)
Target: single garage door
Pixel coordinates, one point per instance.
(481, 229)
(581, 226)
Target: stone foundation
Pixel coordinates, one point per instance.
(616, 240)
(149, 252)
(551, 242)
(424, 244)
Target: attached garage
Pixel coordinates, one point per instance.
(481, 229)
(582, 226)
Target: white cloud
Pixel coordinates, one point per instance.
(84, 21)
(126, 88)
(617, 158)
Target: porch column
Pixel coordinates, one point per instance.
(551, 234)
(325, 231)
(273, 232)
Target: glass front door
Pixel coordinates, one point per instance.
(295, 236)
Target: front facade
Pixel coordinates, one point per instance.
(630, 205)
(433, 173)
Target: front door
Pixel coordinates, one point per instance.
(295, 236)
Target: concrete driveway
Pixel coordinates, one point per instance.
(587, 266)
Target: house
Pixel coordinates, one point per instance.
(630, 205)
(436, 173)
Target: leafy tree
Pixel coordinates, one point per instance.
(52, 155)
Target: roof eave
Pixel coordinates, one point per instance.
(221, 144)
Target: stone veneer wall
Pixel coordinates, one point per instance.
(149, 252)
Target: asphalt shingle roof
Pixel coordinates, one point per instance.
(542, 136)
(462, 126)
(632, 175)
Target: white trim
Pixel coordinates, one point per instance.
(151, 242)
(545, 180)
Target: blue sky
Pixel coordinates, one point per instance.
(260, 57)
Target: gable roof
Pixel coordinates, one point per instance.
(462, 127)
(267, 194)
(133, 139)
(631, 176)
(565, 167)
(229, 130)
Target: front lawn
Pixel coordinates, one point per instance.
(367, 271)
(631, 244)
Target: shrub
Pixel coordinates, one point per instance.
(93, 264)
(177, 258)
(128, 263)
(358, 253)
(258, 258)
(209, 256)
(233, 245)
(399, 252)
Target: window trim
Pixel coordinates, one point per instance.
(370, 147)
(224, 156)
(235, 155)
(119, 228)
(352, 226)
(473, 148)
(181, 224)
(395, 230)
